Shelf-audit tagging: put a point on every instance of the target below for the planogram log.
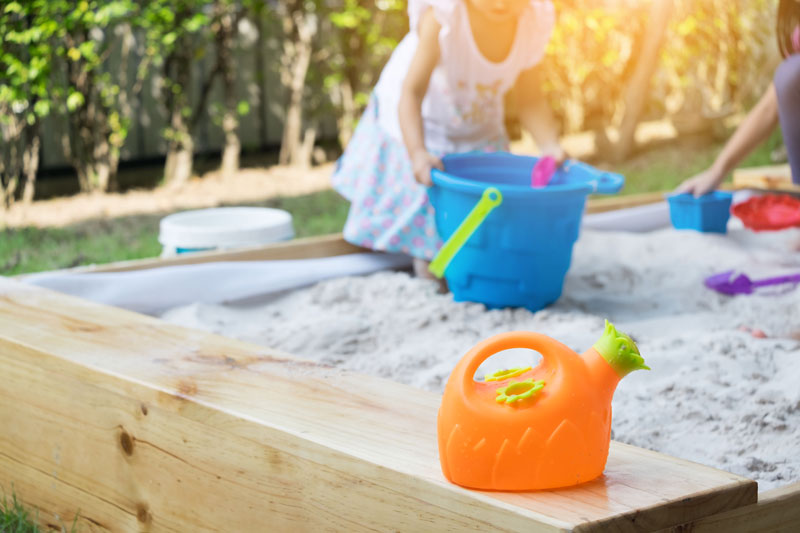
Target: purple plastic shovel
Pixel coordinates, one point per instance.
(741, 284)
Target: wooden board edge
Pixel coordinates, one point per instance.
(776, 178)
(305, 248)
(730, 499)
(777, 510)
(613, 203)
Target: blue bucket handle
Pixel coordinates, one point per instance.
(607, 183)
(601, 182)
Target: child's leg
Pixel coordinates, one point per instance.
(787, 87)
(421, 271)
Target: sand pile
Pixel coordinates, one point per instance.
(716, 394)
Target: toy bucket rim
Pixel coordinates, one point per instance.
(708, 198)
(451, 181)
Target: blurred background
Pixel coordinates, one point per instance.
(114, 113)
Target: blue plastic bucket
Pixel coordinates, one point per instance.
(521, 253)
(708, 213)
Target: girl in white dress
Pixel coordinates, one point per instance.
(442, 92)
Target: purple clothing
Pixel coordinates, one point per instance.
(787, 87)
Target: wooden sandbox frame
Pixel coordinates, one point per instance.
(139, 425)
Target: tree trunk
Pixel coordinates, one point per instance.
(635, 95)
(30, 162)
(180, 151)
(230, 119)
(233, 146)
(10, 168)
(293, 125)
(178, 168)
(91, 144)
(305, 150)
(347, 118)
(259, 69)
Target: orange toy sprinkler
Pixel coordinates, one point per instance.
(531, 429)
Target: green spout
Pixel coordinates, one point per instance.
(619, 350)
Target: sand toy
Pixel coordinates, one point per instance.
(521, 252)
(533, 428)
(726, 283)
(707, 214)
(543, 172)
(490, 199)
(769, 213)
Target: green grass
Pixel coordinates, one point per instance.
(314, 214)
(33, 249)
(102, 241)
(15, 518)
(29, 249)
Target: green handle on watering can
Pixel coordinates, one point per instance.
(491, 198)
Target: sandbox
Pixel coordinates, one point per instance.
(143, 425)
(717, 395)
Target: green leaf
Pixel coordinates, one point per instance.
(243, 108)
(42, 108)
(87, 49)
(169, 38)
(13, 7)
(75, 100)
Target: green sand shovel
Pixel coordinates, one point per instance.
(491, 198)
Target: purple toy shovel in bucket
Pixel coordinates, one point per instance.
(726, 283)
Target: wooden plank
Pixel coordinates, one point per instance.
(773, 178)
(777, 510)
(145, 426)
(612, 203)
(307, 248)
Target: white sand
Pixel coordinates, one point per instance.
(716, 394)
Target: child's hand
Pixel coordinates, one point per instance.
(701, 184)
(556, 152)
(422, 162)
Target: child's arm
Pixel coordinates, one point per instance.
(536, 116)
(413, 92)
(754, 129)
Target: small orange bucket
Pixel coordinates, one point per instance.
(533, 428)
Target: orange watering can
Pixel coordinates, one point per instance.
(533, 428)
